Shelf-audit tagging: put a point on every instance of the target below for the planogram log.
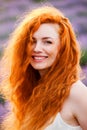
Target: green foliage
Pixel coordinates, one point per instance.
(38, 0)
(2, 101)
(1, 52)
(83, 60)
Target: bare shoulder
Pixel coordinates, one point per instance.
(78, 97)
(79, 92)
(78, 89)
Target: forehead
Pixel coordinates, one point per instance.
(47, 30)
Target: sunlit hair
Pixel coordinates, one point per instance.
(36, 100)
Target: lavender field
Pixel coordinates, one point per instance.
(12, 10)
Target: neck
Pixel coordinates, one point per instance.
(43, 72)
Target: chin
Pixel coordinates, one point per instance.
(39, 68)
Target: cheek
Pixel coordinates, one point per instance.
(55, 51)
(53, 54)
(52, 50)
(57, 48)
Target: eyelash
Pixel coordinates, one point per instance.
(48, 42)
(34, 41)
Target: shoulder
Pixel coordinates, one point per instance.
(78, 97)
(78, 89)
(78, 92)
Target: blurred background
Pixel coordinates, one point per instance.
(12, 10)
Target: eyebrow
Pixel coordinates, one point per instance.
(44, 38)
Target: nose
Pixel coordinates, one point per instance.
(37, 47)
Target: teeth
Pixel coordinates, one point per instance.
(39, 58)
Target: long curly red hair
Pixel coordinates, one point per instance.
(36, 99)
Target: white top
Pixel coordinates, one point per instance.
(59, 124)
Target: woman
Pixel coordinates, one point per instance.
(43, 83)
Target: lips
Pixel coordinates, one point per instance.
(39, 58)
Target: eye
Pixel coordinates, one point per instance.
(48, 42)
(34, 41)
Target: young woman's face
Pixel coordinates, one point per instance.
(45, 46)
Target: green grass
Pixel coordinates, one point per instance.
(83, 60)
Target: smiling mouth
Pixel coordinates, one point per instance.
(39, 58)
